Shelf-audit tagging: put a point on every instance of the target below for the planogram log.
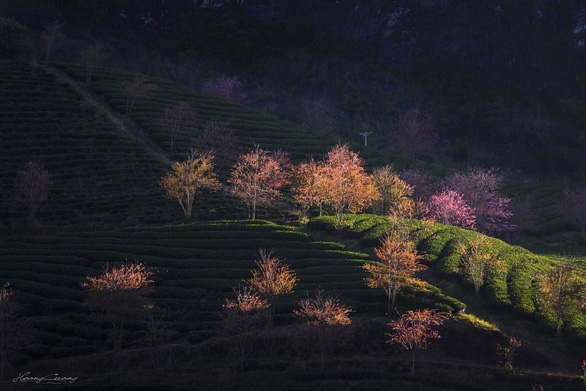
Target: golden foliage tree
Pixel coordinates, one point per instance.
(348, 187)
(398, 263)
(414, 330)
(272, 279)
(322, 314)
(508, 352)
(563, 291)
(242, 316)
(477, 261)
(118, 293)
(258, 177)
(394, 193)
(310, 187)
(189, 178)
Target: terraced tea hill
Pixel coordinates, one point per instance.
(196, 265)
(98, 175)
(514, 285)
(250, 126)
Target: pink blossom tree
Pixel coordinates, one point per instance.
(480, 189)
(449, 207)
(423, 183)
(217, 138)
(229, 88)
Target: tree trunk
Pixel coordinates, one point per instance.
(558, 326)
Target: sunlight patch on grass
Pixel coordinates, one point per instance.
(476, 321)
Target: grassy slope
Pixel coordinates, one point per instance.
(196, 269)
(100, 176)
(121, 189)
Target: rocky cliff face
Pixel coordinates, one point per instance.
(536, 43)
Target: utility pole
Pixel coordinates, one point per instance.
(365, 134)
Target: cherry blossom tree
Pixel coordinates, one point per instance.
(477, 260)
(188, 179)
(32, 188)
(415, 329)
(227, 87)
(218, 139)
(272, 279)
(480, 189)
(348, 187)
(397, 265)
(562, 290)
(258, 177)
(423, 183)
(392, 190)
(322, 314)
(242, 316)
(118, 293)
(449, 207)
(309, 187)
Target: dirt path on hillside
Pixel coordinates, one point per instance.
(134, 133)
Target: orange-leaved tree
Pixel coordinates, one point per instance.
(323, 314)
(349, 187)
(477, 261)
(393, 192)
(242, 316)
(272, 279)
(189, 178)
(397, 265)
(258, 177)
(309, 185)
(414, 329)
(562, 291)
(118, 293)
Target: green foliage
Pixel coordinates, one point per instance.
(512, 285)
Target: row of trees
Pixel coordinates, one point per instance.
(322, 314)
(470, 200)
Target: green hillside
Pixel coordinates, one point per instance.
(250, 126)
(196, 269)
(99, 176)
(106, 207)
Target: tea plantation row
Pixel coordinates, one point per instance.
(515, 285)
(196, 268)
